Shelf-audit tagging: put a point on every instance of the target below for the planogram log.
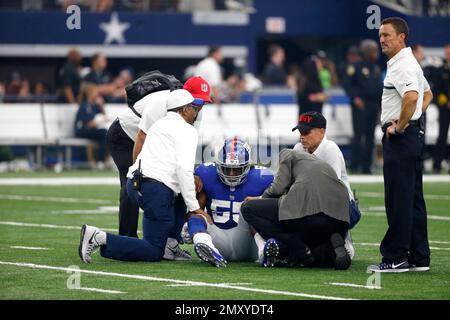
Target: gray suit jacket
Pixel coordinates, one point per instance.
(306, 186)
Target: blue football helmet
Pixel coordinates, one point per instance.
(233, 161)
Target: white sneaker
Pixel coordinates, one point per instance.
(88, 242)
(349, 245)
(185, 234)
(174, 252)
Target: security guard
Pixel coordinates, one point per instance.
(406, 95)
(363, 84)
(442, 87)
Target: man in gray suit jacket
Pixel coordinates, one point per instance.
(304, 213)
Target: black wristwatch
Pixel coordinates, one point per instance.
(399, 131)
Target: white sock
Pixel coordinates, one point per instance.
(202, 237)
(100, 237)
(171, 242)
(260, 242)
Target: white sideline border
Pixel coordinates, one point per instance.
(174, 281)
(369, 244)
(114, 181)
(22, 197)
(353, 285)
(99, 290)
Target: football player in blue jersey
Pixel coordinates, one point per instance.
(224, 234)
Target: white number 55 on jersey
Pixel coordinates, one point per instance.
(222, 209)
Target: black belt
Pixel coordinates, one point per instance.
(388, 124)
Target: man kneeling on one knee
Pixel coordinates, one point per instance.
(163, 169)
(304, 214)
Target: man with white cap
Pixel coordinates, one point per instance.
(163, 169)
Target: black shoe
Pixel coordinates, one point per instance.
(415, 268)
(401, 266)
(418, 265)
(342, 260)
(303, 258)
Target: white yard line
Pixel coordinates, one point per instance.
(383, 214)
(29, 248)
(99, 290)
(96, 212)
(49, 226)
(442, 197)
(377, 245)
(442, 218)
(197, 283)
(79, 181)
(353, 285)
(441, 242)
(99, 210)
(379, 178)
(53, 199)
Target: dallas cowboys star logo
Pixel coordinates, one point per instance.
(114, 29)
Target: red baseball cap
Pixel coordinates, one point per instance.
(199, 88)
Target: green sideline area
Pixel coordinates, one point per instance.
(46, 220)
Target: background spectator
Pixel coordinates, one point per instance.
(39, 89)
(442, 94)
(98, 73)
(91, 122)
(115, 91)
(418, 52)
(363, 84)
(2, 91)
(310, 96)
(327, 70)
(15, 85)
(352, 56)
(209, 69)
(274, 72)
(70, 77)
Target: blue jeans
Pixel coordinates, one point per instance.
(157, 201)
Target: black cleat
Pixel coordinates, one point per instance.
(342, 261)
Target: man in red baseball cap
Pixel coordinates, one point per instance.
(199, 88)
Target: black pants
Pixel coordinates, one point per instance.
(121, 149)
(440, 152)
(97, 135)
(362, 145)
(407, 235)
(297, 235)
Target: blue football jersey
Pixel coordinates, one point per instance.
(224, 202)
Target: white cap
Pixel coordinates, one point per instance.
(179, 98)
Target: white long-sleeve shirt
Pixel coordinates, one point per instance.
(329, 152)
(168, 155)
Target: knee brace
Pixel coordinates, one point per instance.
(196, 224)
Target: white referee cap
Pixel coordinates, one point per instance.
(181, 97)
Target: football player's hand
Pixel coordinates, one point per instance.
(198, 184)
(204, 215)
(247, 199)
